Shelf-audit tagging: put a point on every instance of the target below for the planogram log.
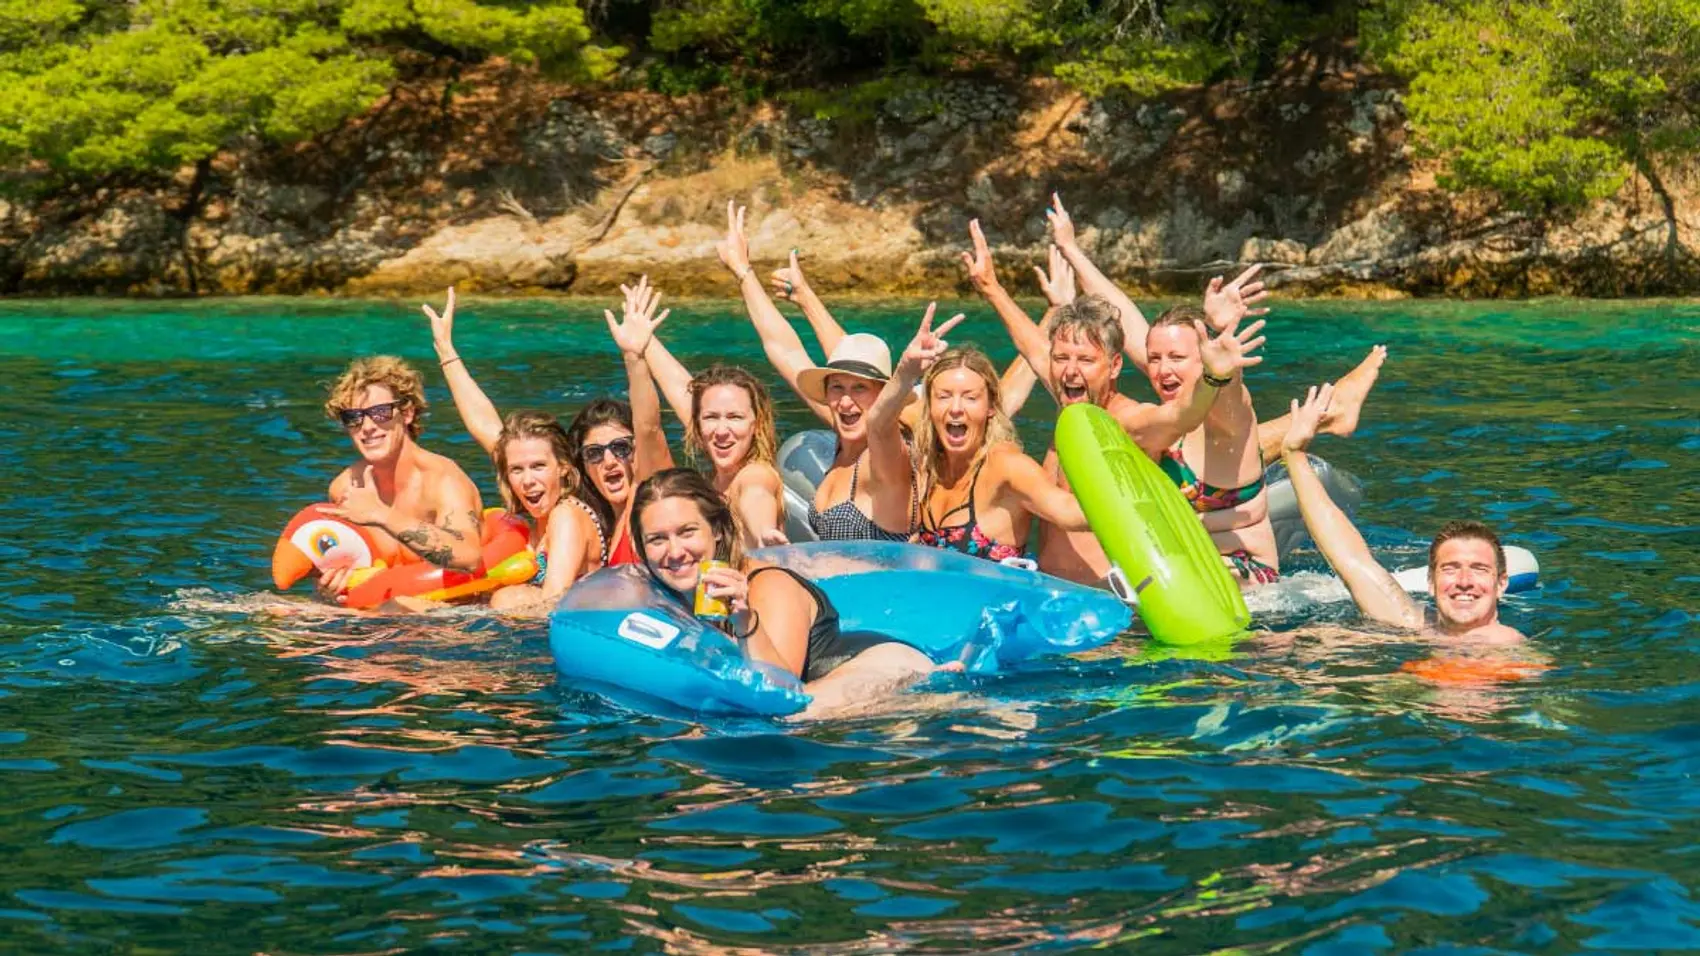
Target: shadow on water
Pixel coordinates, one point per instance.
(193, 764)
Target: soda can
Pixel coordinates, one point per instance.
(710, 608)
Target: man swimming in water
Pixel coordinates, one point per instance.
(421, 499)
(1466, 565)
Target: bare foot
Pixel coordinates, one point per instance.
(1351, 392)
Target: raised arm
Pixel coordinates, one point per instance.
(634, 334)
(887, 455)
(1018, 380)
(1154, 428)
(790, 284)
(673, 377)
(1225, 305)
(1038, 494)
(1377, 595)
(1094, 282)
(477, 412)
(1031, 341)
(778, 339)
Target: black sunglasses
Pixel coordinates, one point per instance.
(380, 414)
(621, 447)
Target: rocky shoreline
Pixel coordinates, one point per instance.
(524, 188)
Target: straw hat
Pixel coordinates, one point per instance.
(860, 355)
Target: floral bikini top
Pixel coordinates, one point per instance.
(967, 537)
(1204, 496)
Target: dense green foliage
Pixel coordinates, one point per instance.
(96, 87)
(1548, 103)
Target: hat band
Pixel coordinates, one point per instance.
(858, 368)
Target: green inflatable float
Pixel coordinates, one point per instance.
(1152, 537)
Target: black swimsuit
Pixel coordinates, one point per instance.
(829, 648)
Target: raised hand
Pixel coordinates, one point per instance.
(734, 250)
(443, 327)
(1226, 304)
(638, 322)
(1059, 285)
(1302, 420)
(360, 503)
(1231, 351)
(929, 342)
(788, 281)
(1062, 227)
(980, 269)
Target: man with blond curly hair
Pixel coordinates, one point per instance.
(421, 499)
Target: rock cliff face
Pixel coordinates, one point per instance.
(523, 187)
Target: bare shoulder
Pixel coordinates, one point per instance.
(755, 474)
(1126, 410)
(444, 478)
(339, 484)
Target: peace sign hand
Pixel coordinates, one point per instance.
(638, 323)
(1303, 419)
(1224, 304)
(928, 343)
(734, 250)
(443, 327)
(1062, 225)
(1231, 351)
(981, 271)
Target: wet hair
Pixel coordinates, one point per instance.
(764, 438)
(528, 424)
(929, 451)
(1181, 315)
(402, 379)
(1467, 530)
(1093, 318)
(689, 483)
(602, 411)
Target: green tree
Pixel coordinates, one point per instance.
(1550, 104)
(88, 90)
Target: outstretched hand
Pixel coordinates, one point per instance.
(981, 272)
(734, 250)
(443, 327)
(1228, 303)
(1062, 226)
(638, 322)
(1227, 353)
(788, 281)
(928, 343)
(1058, 286)
(1303, 419)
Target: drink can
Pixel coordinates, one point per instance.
(710, 608)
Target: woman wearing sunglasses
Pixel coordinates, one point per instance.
(601, 449)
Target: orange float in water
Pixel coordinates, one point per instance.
(314, 541)
(1472, 670)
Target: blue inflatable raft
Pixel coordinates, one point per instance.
(619, 633)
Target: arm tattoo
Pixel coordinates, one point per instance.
(426, 542)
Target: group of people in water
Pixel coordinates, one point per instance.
(926, 453)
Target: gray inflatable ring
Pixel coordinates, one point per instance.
(806, 457)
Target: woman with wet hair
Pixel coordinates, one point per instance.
(780, 618)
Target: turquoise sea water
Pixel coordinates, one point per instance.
(187, 770)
